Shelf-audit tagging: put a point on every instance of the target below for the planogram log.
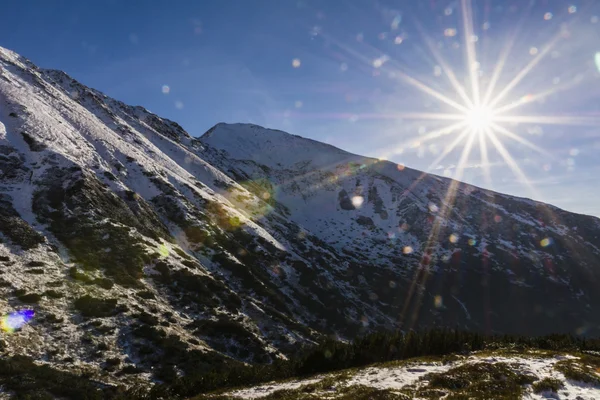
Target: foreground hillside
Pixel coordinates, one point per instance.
(500, 374)
(428, 365)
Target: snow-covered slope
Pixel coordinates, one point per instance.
(138, 244)
(529, 375)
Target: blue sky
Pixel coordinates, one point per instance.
(344, 72)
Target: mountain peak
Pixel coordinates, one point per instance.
(7, 54)
(12, 57)
(271, 147)
(242, 128)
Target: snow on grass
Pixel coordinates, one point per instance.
(395, 377)
(269, 388)
(545, 368)
(388, 377)
(399, 375)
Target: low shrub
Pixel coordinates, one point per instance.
(36, 264)
(548, 385)
(36, 271)
(131, 369)
(146, 294)
(53, 294)
(104, 283)
(29, 298)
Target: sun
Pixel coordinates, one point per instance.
(479, 118)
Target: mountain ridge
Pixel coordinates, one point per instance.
(210, 132)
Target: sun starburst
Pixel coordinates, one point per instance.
(485, 112)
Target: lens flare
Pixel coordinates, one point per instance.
(14, 321)
(357, 201)
(163, 250)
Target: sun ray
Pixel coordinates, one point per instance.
(445, 67)
(438, 160)
(484, 124)
(498, 70)
(464, 157)
(525, 71)
(409, 115)
(467, 16)
(429, 136)
(448, 149)
(429, 116)
(479, 118)
(419, 85)
(398, 73)
(442, 131)
(503, 58)
(549, 120)
(512, 164)
(447, 206)
(515, 137)
(539, 96)
(485, 161)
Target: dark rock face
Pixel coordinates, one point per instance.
(13, 227)
(11, 165)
